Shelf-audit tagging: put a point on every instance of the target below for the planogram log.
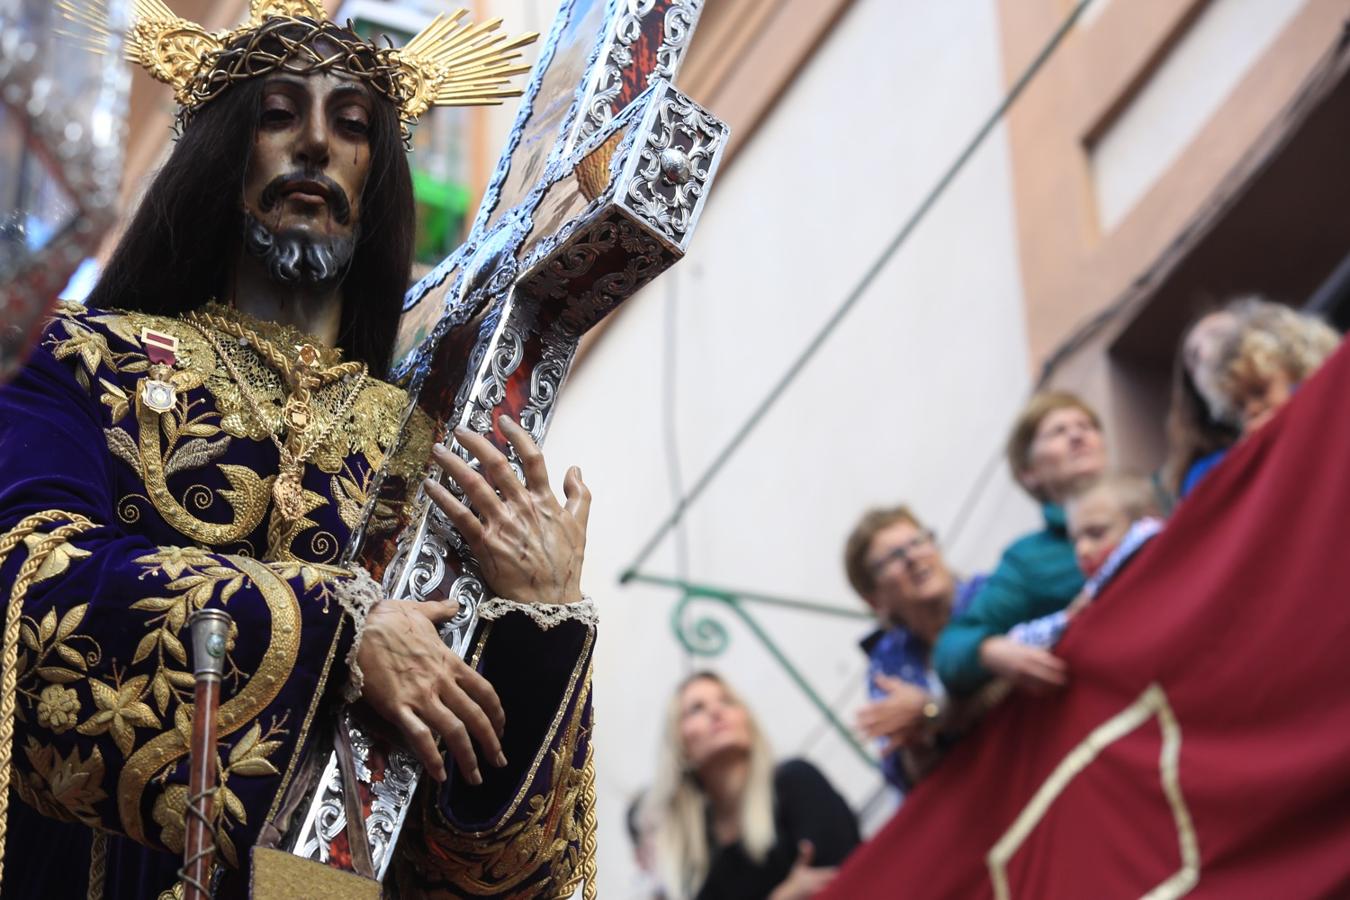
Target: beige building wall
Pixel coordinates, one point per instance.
(908, 401)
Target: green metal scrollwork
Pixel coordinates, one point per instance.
(705, 636)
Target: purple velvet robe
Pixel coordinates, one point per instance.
(173, 512)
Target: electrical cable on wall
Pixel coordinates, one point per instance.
(859, 290)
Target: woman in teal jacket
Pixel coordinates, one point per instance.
(1055, 448)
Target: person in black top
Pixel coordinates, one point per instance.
(729, 824)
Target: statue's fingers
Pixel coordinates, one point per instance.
(456, 737)
(439, 611)
(474, 719)
(465, 522)
(492, 463)
(578, 496)
(422, 743)
(475, 487)
(530, 456)
(484, 694)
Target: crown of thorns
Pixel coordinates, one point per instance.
(451, 62)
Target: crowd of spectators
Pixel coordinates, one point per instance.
(722, 820)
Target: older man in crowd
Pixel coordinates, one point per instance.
(1056, 448)
(895, 565)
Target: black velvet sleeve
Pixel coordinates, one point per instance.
(809, 808)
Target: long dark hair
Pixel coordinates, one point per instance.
(178, 250)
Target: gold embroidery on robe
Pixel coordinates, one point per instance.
(194, 434)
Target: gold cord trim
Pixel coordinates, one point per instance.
(10, 659)
(589, 824)
(98, 865)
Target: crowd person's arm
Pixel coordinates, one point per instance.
(898, 717)
(804, 879)
(820, 821)
(1000, 604)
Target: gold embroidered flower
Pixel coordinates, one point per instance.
(90, 346)
(173, 560)
(120, 712)
(57, 708)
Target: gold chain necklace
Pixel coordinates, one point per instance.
(297, 417)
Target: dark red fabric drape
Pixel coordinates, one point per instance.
(1205, 738)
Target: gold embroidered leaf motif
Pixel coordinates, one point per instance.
(246, 743)
(73, 617)
(57, 561)
(29, 638)
(64, 787)
(58, 675)
(249, 756)
(123, 447)
(195, 453)
(71, 656)
(120, 712)
(196, 591)
(146, 646)
(231, 586)
(246, 489)
(174, 646)
(181, 680)
(227, 848)
(182, 723)
(115, 399)
(155, 604)
(233, 805)
(120, 326)
(350, 497)
(257, 766)
(48, 627)
(159, 687)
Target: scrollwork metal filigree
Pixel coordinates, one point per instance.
(683, 129)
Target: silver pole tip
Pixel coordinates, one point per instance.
(210, 633)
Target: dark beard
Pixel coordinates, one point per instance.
(298, 258)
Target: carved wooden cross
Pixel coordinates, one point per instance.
(597, 192)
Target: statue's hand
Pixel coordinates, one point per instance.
(529, 546)
(414, 682)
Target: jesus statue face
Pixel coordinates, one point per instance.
(308, 167)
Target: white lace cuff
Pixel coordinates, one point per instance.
(545, 615)
(357, 595)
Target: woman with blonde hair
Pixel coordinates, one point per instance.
(728, 823)
(1237, 365)
(1276, 349)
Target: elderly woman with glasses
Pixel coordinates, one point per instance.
(895, 565)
